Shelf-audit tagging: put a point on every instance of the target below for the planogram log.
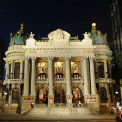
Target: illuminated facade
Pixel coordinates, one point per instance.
(59, 70)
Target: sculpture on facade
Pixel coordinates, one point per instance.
(59, 35)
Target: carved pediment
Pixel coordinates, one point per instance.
(59, 35)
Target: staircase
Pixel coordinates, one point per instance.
(42, 109)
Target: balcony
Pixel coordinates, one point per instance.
(41, 80)
(58, 79)
(77, 80)
(107, 80)
(19, 81)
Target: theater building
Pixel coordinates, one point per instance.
(59, 70)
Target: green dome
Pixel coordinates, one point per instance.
(19, 38)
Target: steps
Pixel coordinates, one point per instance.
(60, 110)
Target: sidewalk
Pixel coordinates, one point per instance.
(14, 116)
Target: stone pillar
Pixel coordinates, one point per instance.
(50, 80)
(81, 68)
(33, 77)
(9, 96)
(26, 77)
(110, 73)
(21, 70)
(7, 71)
(105, 69)
(12, 70)
(92, 75)
(86, 79)
(9, 99)
(68, 81)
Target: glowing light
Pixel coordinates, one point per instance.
(116, 92)
(58, 63)
(72, 63)
(93, 24)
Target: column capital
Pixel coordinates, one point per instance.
(27, 57)
(67, 58)
(84, 57)
(50, 58)
(91, 58)
(33, 57)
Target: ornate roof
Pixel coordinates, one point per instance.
(97, 37)
(19, 38)
(59, 34)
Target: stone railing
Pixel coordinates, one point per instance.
(14, 81)
(108, 80)
(77, 80)
(41, 80)
(101, 80)
(59, 79)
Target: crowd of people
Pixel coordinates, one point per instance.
(118, 112)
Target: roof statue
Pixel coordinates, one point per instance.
(31, 35)
(87, 40)
(59, 35)
(86, 35)
(19, 38)
(31, 41)
(97, 37)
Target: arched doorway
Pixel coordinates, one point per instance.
(42, 96)
(15, 95)
(103, 95)
(59, 95)
(78, 97)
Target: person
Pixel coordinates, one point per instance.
(119, 117)
(112, 110)
(32, 104)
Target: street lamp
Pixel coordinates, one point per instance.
(116, 92)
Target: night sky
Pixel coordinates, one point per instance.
(43, 16)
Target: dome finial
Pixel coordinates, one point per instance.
(22, 26)
(93, 27)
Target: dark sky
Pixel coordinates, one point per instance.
(43, 16)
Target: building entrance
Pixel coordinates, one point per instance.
(42, 97)
(59, 95)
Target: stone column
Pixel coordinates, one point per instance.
(12, 70)
(68, 81)
(26, 77)
(9, 99)
(92, 75)
(7, 71)
(21, 70)
(81, 68)
(50, 80)
(110, 74)
(105, 69)
(33, 77)
(86, 79)
(9, 96)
